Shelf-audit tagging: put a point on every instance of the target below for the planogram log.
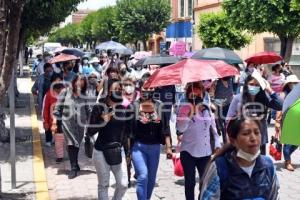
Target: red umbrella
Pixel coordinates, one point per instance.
(190, 70)
(264, 58)
(62, 58)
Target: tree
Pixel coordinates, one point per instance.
(85, 29)
(103, 27)
(271, 16)
(66, 35)
(215, 30)
(10, 18)
(138, 19)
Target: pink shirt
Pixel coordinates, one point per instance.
(276, 82)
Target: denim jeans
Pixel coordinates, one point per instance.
(189, 164)
(103, 172)
(288, 149)
(145, 159)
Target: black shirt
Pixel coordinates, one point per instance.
(113, 131)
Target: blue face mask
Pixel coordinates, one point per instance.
(253, 90)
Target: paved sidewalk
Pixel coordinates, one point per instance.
(84, 187)
(24, 166)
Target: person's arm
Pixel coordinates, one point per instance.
(34, 88)
(233, 108)
(183, 120)
(95, 121)
(272, 99)
(210, 184)
(273, 194)
(46, 111)
(215, 133)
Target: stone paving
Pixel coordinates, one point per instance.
(84, 187)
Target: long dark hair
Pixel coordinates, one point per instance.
(74, 87)
(106, 87)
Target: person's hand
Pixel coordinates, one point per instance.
(54, 128)
(169, 152)
(216, 150)
(107, 117)
(46, 126)
(268, 88)
(179, 138)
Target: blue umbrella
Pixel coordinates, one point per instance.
(115, 47)
(217, 53)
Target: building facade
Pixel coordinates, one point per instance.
(260, 42)
(180, 28)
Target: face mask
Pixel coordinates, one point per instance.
(85, 61)
(123, 71)
(253, 90)
(247, 156)
(139, 68)
(129, 89)
(50, 74)
(251, 70)
(146, 95)
(116, 96)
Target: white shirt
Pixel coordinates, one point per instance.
(249, 169)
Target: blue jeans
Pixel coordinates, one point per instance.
(288, 149)
(145, 159)
(189, 165)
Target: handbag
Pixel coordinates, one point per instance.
(178, 169)
(112, 153)
(275, 148)
(88, 147)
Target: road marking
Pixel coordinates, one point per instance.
(39, 173)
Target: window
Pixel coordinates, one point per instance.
(190, 8)
(181, 8)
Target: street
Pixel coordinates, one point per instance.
(84, 187)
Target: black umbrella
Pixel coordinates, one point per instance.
(73, 51)
(160, 60)
(218, 53)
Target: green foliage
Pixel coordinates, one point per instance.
(85, 29)
(103, 27)
(295, 5)
(275, 16)
(138, 19)
(215, 30)
(66, 35)
(40, 16)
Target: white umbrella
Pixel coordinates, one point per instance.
(115, 47)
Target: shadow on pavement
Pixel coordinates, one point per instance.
(16, 196)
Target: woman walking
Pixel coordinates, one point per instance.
(239, 171)
(148, 133)
(254, 102)
(195, 120)
(108, 119)
(73, 111)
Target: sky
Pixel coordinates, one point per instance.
(95, 4)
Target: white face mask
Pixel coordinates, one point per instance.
(247, 156)
(85, 61)
(129, 89)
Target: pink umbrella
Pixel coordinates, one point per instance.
(62, 58)
(190, 70)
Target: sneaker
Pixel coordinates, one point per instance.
(59, 160)
(48, 144)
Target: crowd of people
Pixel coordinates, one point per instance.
(221, 125)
